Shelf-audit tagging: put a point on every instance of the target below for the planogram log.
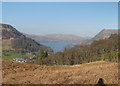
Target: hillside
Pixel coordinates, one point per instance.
(16, 41)
(55, 37)
(103, 49)
(105, 33)
(9, 32)
(89, 73)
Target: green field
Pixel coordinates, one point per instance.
(6, 45)
(10, 56)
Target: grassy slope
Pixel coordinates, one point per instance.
(10, 56)
(6, 45)
(89, 73)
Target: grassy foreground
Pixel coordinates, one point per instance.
(88, 73)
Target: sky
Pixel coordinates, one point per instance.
(84, 19)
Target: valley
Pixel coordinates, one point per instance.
(61, 43)
(25, 61)
(59, 46)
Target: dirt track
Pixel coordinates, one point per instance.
(22, 73)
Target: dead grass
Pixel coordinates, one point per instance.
(88, 73)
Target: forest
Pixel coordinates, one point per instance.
(99, 50)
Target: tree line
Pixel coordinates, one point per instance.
(102, 49)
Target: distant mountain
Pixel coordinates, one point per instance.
(15, 40)
(105, 33)
(55, 37)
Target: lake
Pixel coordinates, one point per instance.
(58, 46)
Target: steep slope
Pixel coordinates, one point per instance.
(9, 32)
(16, 41)
(105, 33)
(55, 37)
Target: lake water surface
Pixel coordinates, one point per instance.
(58, 46)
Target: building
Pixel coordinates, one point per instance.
(19, 60)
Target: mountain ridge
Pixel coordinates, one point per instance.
(20, 42)
(55, 37)
(105, 33)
